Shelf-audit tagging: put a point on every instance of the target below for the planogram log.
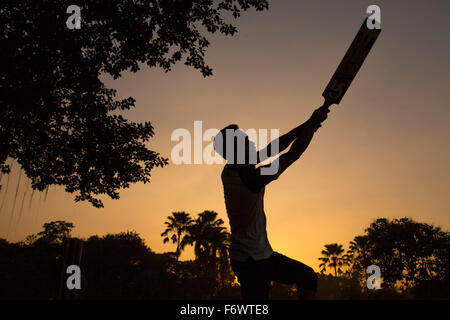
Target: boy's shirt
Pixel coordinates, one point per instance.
(244, 200)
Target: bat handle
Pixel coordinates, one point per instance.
(326, 104)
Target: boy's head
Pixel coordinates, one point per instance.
(234, 146)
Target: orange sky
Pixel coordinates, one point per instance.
(383, 152)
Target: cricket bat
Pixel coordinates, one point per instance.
(350, 65)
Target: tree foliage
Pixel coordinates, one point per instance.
(333, 257)
(177, 225)
(114, 266)
(54, 232)
(122, 266)
(57, 118)
(211, 241)
(410, 254)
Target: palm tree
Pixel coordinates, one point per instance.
(177, 225)
(333, 258)
(357, 252)
(358, 257)
(210, 240)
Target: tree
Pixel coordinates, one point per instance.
(357, 256)
(207, 235)
(177, 225)
(211, 242)
(30, 240)
(58, 120)
(29, 271)
(55, 231)
(119, 266)
(410, 254)
(333, 257)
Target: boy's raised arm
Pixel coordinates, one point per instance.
(313, 123)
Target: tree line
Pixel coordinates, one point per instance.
(413, 258)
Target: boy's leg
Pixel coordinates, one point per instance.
(253, 278)
(289, 271)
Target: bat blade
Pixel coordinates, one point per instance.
(350, 64)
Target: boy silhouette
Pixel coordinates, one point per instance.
(252, 259)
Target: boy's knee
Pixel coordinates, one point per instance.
(310, 279)
(307, 288)
(313, 276)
